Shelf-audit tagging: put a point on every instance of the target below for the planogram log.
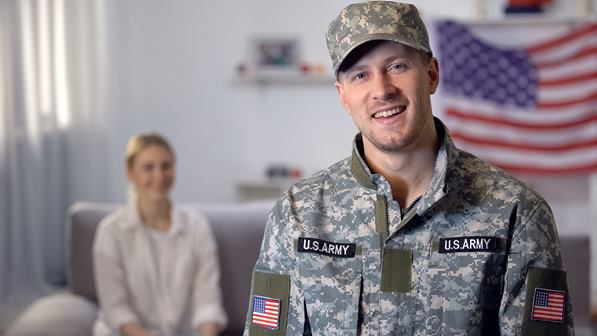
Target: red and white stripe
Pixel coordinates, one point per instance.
(554, 310)
(559, 136)
(270, 317)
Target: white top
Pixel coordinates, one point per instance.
(170, 295)
(158, 242)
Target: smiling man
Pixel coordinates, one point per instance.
(409, 235)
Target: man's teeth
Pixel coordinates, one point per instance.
(384, 114)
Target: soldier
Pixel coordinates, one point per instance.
(409, 235)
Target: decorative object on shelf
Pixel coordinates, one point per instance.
(525, 6)
(278, 60)
(275, 52)
(282, 171)
(272, 57)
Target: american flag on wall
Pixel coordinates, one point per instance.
(529, 110)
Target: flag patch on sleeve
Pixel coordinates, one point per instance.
(266, 312)
(548, 305)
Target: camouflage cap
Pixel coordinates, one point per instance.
(375, 20)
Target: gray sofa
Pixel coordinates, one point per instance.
(238, 229)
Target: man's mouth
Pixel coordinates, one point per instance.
(390, 112)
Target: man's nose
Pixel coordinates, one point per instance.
(383, 88)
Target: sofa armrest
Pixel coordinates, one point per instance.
(63, 314)
(84, 218)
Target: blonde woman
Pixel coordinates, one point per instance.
(156, 266)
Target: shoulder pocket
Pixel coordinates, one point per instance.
(547, 309)
(268, 308)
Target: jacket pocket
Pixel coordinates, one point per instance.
(331, 287)
(464, 292)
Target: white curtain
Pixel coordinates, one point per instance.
(51, 93)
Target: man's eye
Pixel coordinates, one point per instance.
(358, 76)
(397, 67)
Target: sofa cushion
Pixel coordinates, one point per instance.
(238, 231)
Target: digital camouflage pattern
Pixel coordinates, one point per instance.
(375, 20)
(465, 293)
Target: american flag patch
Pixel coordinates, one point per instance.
(548, 305)
(266, 312)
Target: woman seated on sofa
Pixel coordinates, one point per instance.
(156, 266)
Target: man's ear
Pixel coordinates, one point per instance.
(342, 95)
(433, 74)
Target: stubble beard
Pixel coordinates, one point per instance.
(397, 142)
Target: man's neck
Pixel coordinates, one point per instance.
(408, 171)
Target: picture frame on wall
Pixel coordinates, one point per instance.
(275, 53)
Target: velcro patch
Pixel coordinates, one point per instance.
(548, 305)
(319, 246)
(468, 244)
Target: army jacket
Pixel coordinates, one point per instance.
(478, 254)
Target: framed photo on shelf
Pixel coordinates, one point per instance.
(275, 53)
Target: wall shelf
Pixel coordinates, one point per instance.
(283, 79)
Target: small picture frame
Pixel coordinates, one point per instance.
(275, 52)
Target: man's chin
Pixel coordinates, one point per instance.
(389, 146)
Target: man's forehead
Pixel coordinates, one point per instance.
(378, 50)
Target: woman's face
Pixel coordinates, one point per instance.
(152, 172)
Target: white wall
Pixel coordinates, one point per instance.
(172, 68)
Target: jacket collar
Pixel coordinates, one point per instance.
(358, 166)
(133, 221)
(446, 156)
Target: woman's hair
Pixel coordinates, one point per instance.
(141, 141)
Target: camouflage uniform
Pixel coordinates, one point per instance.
(398, 282)
(476, 255)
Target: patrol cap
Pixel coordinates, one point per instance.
(375, 20)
